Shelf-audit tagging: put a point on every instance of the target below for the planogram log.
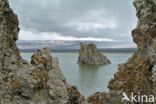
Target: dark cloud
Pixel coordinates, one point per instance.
(112, 19)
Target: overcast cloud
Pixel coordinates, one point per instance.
(101, 20)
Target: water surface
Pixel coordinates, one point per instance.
(88, 78)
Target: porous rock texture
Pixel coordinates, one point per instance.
(89, 54)
(40, 82)
(138, 74)
(98, 98)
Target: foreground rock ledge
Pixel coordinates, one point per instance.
(89, 54)
(40, 82)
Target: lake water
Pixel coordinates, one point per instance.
(88, 78)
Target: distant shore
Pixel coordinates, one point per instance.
(77, 50)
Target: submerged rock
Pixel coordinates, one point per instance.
(40, 82)
(89, 54)
(138, 74)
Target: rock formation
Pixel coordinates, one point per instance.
(99, 98)
(138, 74)
(40, 82)
(89, 54)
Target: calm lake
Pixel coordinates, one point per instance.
(88, 78)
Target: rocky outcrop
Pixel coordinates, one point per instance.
(40, 82)
(137, 75)
(89, 54)
(98, 98)
(75, 96)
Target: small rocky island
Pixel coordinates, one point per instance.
(89, 54)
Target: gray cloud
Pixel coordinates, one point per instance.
(112, 19)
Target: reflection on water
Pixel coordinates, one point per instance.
(88, 75)
(89, 67)
(88, 78)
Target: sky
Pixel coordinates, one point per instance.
(99, 20)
